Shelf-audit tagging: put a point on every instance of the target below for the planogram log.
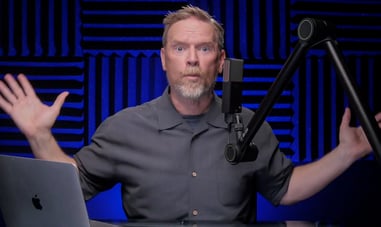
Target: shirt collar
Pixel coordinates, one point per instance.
(169, 117)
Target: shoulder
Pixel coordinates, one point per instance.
(145, 113)
(145, 110)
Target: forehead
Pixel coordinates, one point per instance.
(191, 29)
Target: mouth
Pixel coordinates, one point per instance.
(192, 72)
(192, 75)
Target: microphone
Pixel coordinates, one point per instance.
(312, 30)
(231, 106)
(232, 86)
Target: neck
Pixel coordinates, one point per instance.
(187, 106)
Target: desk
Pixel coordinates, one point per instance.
(94, 223)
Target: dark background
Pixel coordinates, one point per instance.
(106, 53)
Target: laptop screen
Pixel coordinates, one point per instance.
(39, 193)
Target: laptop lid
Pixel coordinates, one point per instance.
(39, 193)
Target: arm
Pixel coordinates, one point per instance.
(32, 117)
(307, 180)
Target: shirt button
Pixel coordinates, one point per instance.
(194, 174)
(195, 212)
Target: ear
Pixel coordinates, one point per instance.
(162, 57)
(222, 60)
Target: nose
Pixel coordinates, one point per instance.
(192, 57)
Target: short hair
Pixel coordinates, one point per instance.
(192, 11)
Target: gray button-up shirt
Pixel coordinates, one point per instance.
(172, 171)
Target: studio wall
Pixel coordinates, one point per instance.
(106, 54)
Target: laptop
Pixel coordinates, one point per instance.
(40, 193)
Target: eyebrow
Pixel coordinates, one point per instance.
(185, 43)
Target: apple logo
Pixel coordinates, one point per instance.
(37, 202)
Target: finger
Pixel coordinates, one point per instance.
(378, 117)
(4, 104)
(6, 93)
(26, 85)
(14, 86)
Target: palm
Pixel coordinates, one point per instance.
(25, 108)
(354, 138)
(31, 115)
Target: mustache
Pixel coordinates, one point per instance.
(192, 71)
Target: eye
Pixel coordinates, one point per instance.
(179, 48)
(205, 48)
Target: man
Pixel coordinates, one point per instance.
(168, 153)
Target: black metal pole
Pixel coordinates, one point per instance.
(362, 111)
(311, 32)
(276, 89)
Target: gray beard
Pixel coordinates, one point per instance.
(191, 92)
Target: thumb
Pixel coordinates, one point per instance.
(345, 121)
(60, 100)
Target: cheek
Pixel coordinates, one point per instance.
(174, 68)
(172, 72)
(174, 62)
(211, 69)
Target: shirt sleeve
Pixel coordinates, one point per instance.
(95, 163)
(274, 169)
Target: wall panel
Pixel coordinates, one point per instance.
(106, 54)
